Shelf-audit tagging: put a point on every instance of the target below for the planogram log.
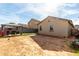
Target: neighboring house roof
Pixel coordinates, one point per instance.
(11, 25)
(23, 25)
(33, 20)
(0, 28)
(69, 21)
(77, 26)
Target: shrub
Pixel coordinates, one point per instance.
(75, 44)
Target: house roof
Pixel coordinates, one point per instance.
(76, 26)
(11, 24)
(69, 21)
(33, 20)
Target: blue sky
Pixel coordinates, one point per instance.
(23, 12)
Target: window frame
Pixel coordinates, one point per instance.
(51, 28)
(40, 28)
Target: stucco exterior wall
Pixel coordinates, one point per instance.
(71, 30)
(13, 28)
(60, 27)
(33, 24)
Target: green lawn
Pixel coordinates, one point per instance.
(23, 34)
(29, 34)
(76, 53)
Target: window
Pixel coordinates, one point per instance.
(48, 20)
(51, 28)
(40, 28)
(9, 28)
(16, 28)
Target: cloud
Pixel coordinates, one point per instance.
(11, 18)
(16, 12)
(69, 11)
(43, 9)
(76, 22)
(25, 11)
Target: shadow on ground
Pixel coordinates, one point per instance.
(52, 43)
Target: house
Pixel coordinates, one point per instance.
(77, 27)
(0, 31)
(32, 24)
(55, 26)
(26, 29)
(11, 28)
(76, 30)
(0, 28)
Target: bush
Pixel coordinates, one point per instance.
(75, 44)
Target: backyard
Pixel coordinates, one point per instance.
(31, 44)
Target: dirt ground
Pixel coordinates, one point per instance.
(35, 45)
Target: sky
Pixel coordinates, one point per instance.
(23, 12)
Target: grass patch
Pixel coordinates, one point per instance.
(3, 37)
(76, 52)
(28, 34)
(23, 34)
(76, 49)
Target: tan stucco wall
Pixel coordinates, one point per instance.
(71, 30)
(33, 24)
(61, 28)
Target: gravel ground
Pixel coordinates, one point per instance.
(35, 45)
